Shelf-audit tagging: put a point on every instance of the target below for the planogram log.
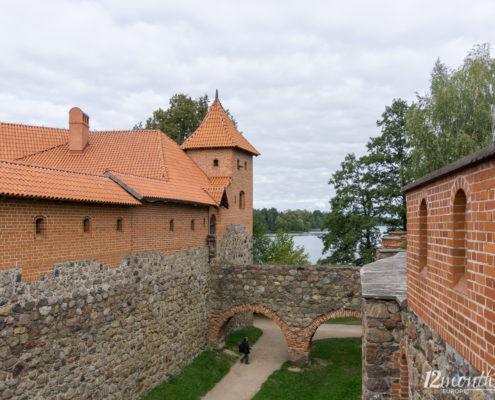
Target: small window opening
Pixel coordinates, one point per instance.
(40, 225)
(215, 162)
(171, 225)
(239, 164)
(245, 165)
(242, 200)
(86, 225)
(213, 220)
(204, 221)
(192, 224)
(423, 236)
(119, 225)
(459, 247)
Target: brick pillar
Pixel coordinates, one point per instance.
(299, 343)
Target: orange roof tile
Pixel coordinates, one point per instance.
(20, 140)
(217, 130)
(219, 181)
(153, 188)
(216, 194)
(36, 182)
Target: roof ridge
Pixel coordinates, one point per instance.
(137, 176)
(40, 151)
(142, 131)
(50, 169)
(161, 155)
(35, 126)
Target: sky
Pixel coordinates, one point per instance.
(306, 80)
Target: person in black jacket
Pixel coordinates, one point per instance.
(244, 348)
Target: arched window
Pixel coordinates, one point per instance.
(119, 225)
(39, 225)
(423, 235)
(213, 221)
(192, 224)
(171, 225)
(86, 224)
(459, 245)
(242, 199)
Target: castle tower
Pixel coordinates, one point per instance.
(226, 157)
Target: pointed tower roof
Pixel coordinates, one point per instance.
(217, 130)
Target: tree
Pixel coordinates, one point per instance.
(387, 164)
(261, 243)
(181, 118)
(282, 250)
(352, 222)
(454, 118)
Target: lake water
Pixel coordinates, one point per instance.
(311, 242)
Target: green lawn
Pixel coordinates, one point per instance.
(334, 374)
(199, 377)
(345, 321)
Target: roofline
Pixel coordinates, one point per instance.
(166, 200)
(470, 160)
(54, 198)
(222, 147)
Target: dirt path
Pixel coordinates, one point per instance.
(267, 355)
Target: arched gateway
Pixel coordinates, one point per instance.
(297, 299)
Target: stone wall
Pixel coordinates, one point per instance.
(236, 246)
(87, 331)
(382, 323)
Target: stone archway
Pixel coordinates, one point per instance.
(298, 338)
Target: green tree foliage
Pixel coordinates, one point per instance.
(387, 164)
(181, 118)
(278, 250)
(454, 118)
(353, 220)
(290, 220)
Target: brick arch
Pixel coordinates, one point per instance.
(460, 184)
(219, 323)
(342, 313)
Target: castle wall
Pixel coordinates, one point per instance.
(461, 311)
(144, 228)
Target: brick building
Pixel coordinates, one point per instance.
(75, 194)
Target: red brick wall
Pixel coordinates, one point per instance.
(242, 180)
(145, 228)
(463, 314)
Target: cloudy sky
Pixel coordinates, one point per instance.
(306, 80)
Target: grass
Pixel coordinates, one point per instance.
(345, 321)
(199, 377)
(334, 374)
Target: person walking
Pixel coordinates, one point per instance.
(244, 348)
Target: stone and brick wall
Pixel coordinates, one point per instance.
(85, 330)
(451, 259)
(298, 299)
(144, 228)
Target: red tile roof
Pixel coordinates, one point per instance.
(36, 182)
(153, 188)
(219, 181)
(217, 130)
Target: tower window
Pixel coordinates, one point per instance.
(40, 225)
(239, 164)
(192, 224)
(119, 225)
(171, 225)
(213, 221)
(245, 165)
(242, 200)
(215, 162)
